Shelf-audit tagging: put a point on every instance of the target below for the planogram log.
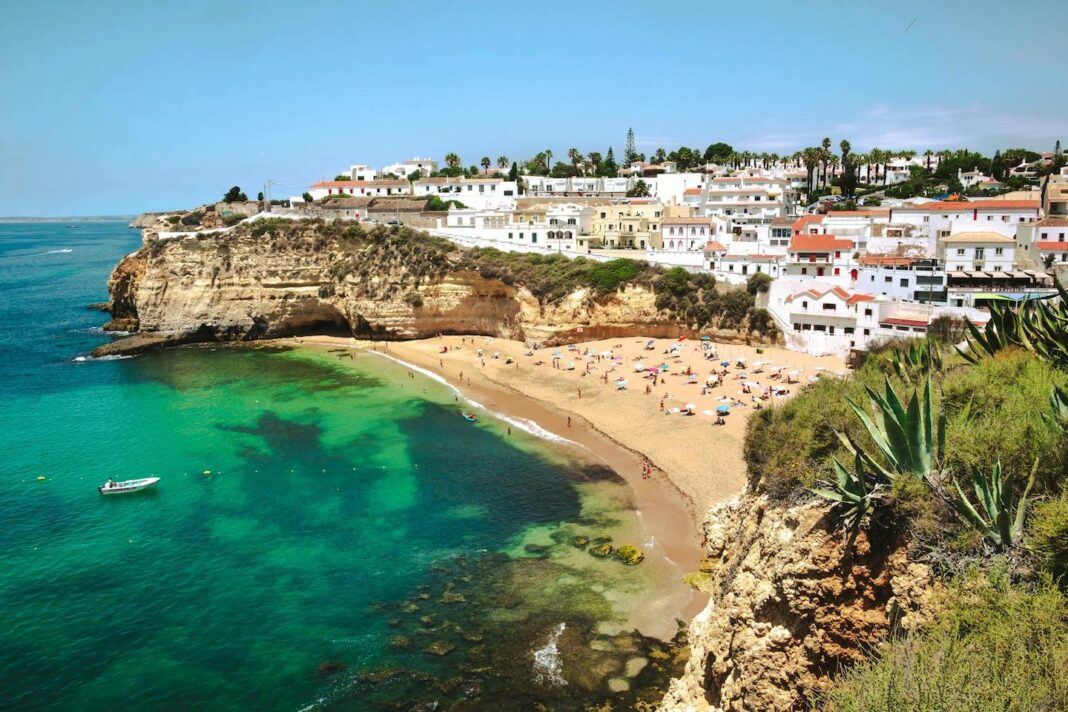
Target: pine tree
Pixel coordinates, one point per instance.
(630, 151)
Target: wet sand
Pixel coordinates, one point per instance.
(694, 463)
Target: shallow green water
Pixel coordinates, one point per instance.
(357, 544)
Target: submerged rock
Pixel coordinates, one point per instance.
(630, 555)
(440, 648)
(580, 542)
(452, 597)
(400, 642)
(601, 551)
(329, 668)
(617, 684)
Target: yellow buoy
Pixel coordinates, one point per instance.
(41, 478)
(207, 473)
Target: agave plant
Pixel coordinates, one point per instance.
(910, 440)
(1038, 325)
(1059, 400)
(855, 495)
(999, 517)
(916, 358)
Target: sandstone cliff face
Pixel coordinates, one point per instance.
(791, 604)
(238, 286)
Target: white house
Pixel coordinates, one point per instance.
(977, 251)
(359, 188)
(403, 169)
(906, 279)
(478, 193)
(689, 234)
(361, 172)
(1045, 242)
(821, 257)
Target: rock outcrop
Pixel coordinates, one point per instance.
(247, 284)
(792, 601)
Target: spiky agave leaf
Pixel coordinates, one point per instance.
(855, 496)
(998, 516)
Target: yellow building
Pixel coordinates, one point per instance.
(632, 225)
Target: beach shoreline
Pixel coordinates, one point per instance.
(625, 430)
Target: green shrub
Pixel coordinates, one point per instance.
(1047, 535)
(994, 647)
(998, 410)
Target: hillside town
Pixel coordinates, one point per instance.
(846, 250)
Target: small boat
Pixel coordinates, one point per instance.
(112, 487)
(470, 417)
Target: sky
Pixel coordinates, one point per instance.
(118, 107)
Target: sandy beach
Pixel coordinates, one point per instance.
(677, 465)
(702, 461)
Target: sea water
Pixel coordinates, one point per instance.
(328, 532)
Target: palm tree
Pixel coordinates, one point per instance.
(927, 159)
(811, 158)
(575, 156)
(452, 160)
(486, 163)
(548, 161)
(825, 147)
(502, 162)
(847, 181)
(595, 159)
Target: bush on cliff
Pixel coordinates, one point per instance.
(993, 647)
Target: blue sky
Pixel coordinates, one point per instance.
(119, 107)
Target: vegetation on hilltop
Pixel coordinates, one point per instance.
(398, 259)
(963, 455)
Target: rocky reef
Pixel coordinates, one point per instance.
(278, 278)
(792, 601)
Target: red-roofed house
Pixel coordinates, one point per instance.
(360, 188)
(1045, 241)
(825, 257)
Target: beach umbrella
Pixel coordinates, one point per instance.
(724, 409)
(752, 384)
(724, 364)
(706, 338)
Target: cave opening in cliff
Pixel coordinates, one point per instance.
(322, 319)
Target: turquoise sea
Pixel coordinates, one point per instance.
(328, 532)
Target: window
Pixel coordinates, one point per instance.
(904, 283)
(867, 332)
(960, 250)
(804, 304)
(867, 312)
(888, 279)
(830, 306)
(998, 250)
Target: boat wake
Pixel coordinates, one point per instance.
(112, 357)
(548, 668)
(61, 251)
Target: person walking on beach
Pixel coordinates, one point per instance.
(569, 421)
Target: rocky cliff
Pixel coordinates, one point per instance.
(792, 601)
(281, 278)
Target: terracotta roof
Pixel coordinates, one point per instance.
(780, 222)
(804, 220)
(900, 321)
(1051, 245)
(858, 297)
(819, 243)
(858, 213)
(885, 261)
(361, 184)
(713, 246)
(816, 294)
(964, 206)
(977, 237)
(692, 191)
(1052, 222)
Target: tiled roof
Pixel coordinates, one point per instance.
(838, 291)
(692, 191)
(802, 222)
(885, 261)
(955, 206)
(1052, 222)
(1051, 245)
(360, 184)
(819, 243)
(713, 246)
(901, 321)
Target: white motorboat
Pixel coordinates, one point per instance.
(113, 487)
